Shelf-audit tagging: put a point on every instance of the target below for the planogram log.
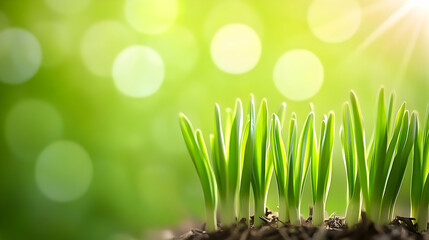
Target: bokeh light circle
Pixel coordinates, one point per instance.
(101, 44)
(225, 12)
(67, 7)
(55, 40)
(334, 21)
(30, 126)
(236, 48)
(4, 21)
(181, 57)
(63, 171)
(20, 55)
(151, 17)
(298, 74)
(138, 71)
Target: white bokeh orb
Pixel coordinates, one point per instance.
(20, 55)
(334, 21)
(101, 43)
(236, 48)
(151, 17)
(30, 125)
(179, 49)
(63, 171)
(55, 39)
(138, 71)
(298, 74)
(225, 12)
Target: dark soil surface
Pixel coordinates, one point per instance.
(334, 228)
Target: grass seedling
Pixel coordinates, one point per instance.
(321, 167)
(262, 163)
(227, 158)
(349, 155)
(291, 165)
(198, 151)
(381, 169)
(247, 160)
(420, 176)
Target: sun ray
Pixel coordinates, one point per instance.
(387, 24)
(415, 33)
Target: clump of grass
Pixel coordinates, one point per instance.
(198, 151)
(291, 163)
(321, 167)
(381, 169)
(420, 176)
(244, 155)
(247, 160)
(262, 161)
(241, 159)
(226, 152)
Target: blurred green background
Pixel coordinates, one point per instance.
(90, 91)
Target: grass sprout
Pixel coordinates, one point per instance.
(291, 163)
(198, 151)
(226, 152)
(420, 176)
(262, 161)
(354, 201)
(247, 148)
(321, 167)
(381, 169)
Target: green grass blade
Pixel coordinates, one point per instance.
(234, 156)
(423, 208)
(392, 144)
(390, 111)
(260, 147)
(292, 145)
(325, 162)
(399, 165)
(247, 169)
(280, 165)
(425, 160)
(291, 164)
(198, 152)
(348, 146)
(416, 177)
(219, 154)
(228, 125)
(281, 113)
(279, 153)
(198, 157)
(303, 156)
(314, 164)
(247, 156)
(377, 179)
(360, 146)
(261, 161)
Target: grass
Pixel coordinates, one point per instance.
(381, 169)
(321, 168)
(227, 160)
(291, 165)
(420, 176)
(245, 153)
(354, 200)
(197, 150)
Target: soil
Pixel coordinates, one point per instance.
(333, 228)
